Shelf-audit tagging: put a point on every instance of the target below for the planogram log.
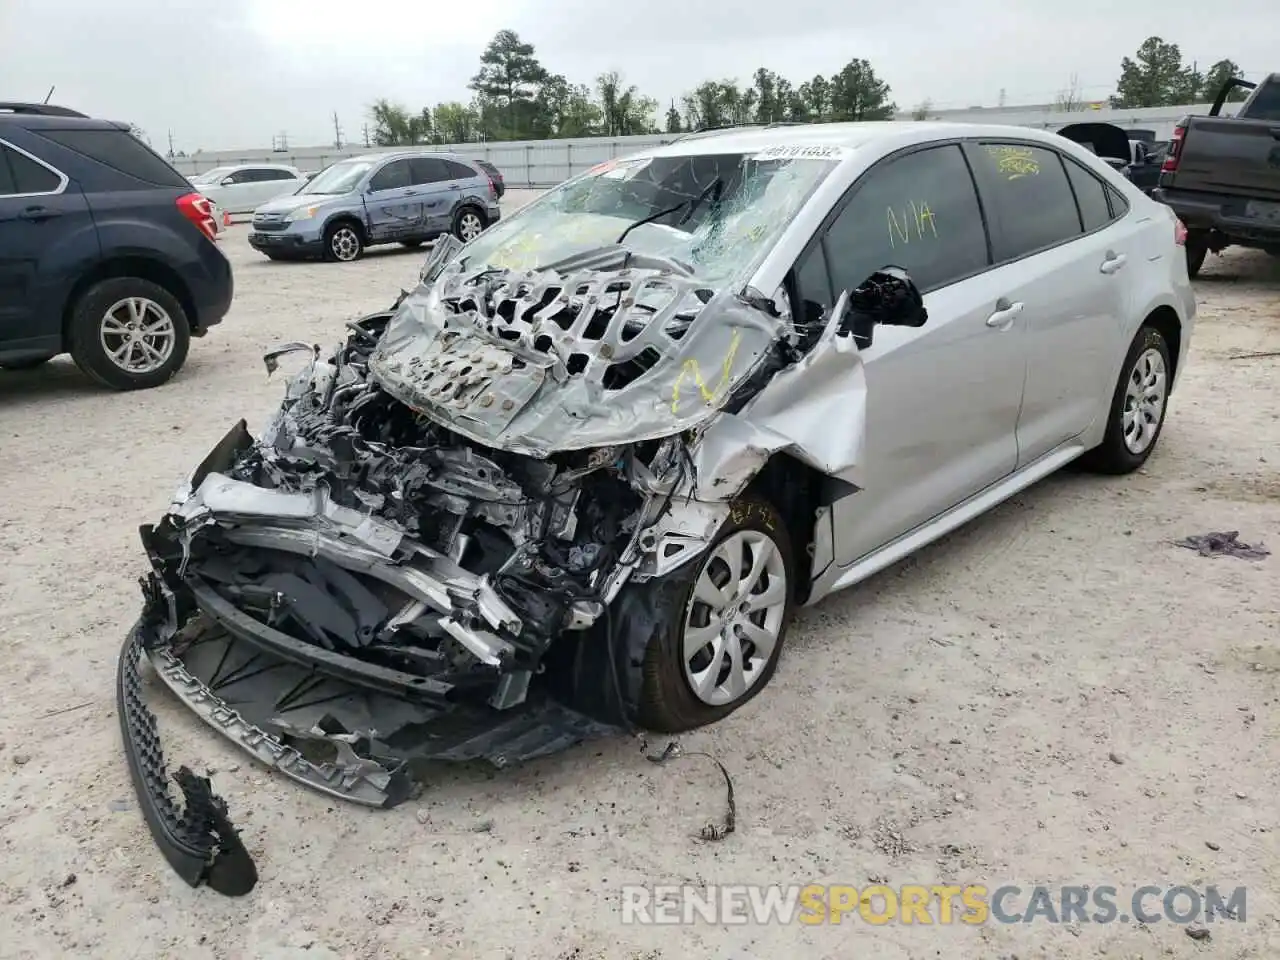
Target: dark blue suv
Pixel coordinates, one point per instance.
(106, 253)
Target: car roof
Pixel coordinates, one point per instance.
(839, 137)
(402, 154)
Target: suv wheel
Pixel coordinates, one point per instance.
(129, 334)
(343, 243)
(468, 224)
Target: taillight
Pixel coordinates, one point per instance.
(1179, 233)
(1175, 150)
(493, 187)
(199, 210)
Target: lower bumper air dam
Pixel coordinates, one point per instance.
(196, 836)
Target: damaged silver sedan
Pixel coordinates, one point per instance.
(580, 476)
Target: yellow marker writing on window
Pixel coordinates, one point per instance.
(692, 369)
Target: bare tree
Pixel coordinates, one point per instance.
(921, 112)
(1069, 99)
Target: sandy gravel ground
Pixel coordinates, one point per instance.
(952, 720)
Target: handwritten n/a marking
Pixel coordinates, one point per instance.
(692, 369)
(914, 214)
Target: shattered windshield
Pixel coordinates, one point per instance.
(339, 178)
(719, 212)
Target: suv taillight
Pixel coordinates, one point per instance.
(493, 187)
(198, 208)
(1175, 150)
(1179, 232)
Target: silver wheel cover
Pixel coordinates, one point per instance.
(1145, 394)
(344, 244)
(469, 226)
(734, 618)
(137, 335)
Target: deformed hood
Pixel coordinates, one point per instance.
(601, 349)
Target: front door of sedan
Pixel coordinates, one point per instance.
(393, 204)
(1065, 261)
(942, 400)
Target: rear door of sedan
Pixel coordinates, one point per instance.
(1065, 261)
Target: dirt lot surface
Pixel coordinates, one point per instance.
(1056, 694)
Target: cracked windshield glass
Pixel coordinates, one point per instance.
(712, 214)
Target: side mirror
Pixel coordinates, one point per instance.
(889, 297)
(227, 182)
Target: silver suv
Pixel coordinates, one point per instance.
(405, 197)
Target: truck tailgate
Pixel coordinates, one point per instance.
(1227, 155)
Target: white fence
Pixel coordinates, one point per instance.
(544, 163)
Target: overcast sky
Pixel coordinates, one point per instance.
(232, 73)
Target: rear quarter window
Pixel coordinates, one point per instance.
(459, 171)
(119, 150)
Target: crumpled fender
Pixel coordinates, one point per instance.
(814, 410)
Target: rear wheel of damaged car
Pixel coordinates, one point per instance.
(468, 223)
(128, 333)
(343, 241)
(721, 622)
(1138, 405)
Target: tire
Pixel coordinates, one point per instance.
(468, 223)
(1146, 362)
(115, 311)
(29, 364)
(668, 701)
(1197, 250)
(411, 244)
(343, 242)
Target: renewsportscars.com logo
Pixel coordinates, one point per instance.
(940, 904)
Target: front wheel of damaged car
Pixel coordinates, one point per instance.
(721, 624)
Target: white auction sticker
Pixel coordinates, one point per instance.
(802, 151)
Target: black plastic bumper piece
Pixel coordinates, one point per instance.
(197, 838)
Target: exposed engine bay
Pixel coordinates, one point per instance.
(368, 586)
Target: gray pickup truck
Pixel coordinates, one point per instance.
(1221, 175)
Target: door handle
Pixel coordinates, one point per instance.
(411, 193)
(1005, 314)
(39, 213)
(1113, 262)
(454, 186)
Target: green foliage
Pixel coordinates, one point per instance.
(1157, 77)
(517, 98)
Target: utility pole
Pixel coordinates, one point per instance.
(171, 151)
(337, 131)
(366, 135)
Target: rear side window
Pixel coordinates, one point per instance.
(919, 212)
(1091, 196)
(1028, 196)
(19, 174)
(459, 171)
(121, 151)
(429, 170)
(265, 175)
